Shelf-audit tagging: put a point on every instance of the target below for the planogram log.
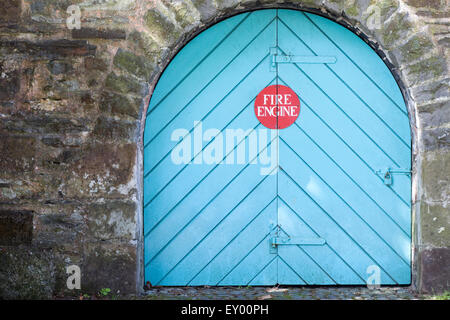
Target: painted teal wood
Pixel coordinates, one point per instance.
(212, 224)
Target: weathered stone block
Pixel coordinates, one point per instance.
(397, 28)
(185, 12)
(143, 42)
(427, 69)
(386, 7)
(47, 16)
(133, 64)
(44, 124)
(113, 220)
(444, 42)
(9, 85)
(17, 154)
(435, 275)
(23, 187)
(90, 33)
(415, 48)
(160, 26)
(69, 156)
(207, 9)
(435, 225)
(437, 138)
(10, 12)
(95, 64)
(50, 48)
(108, 129)
(26, 273)
(120, 105)
(102, 170)
(434, 114)
(47, 7)
(307, 3)
(59, 229)
(431, 91)
(55, 142)
(433, 13)
(122, 84)
(226, 4)
(16, 227)
(109, 266)
(425, 3)
(435, 184)
(351, 8)
(59, 67)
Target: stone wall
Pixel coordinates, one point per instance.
(72, 111)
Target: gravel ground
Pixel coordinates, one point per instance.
(281, 293)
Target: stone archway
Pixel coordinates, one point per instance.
(398, 37)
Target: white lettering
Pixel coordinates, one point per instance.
(74, 280)
(240, 147)
(181, 153)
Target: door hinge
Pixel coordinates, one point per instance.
(387, 174)
(282, 58)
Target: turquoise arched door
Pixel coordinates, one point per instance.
(324, 200)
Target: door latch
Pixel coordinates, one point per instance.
(277, 58)
(277, 241)
(387, 174)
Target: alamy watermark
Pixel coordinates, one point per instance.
(372, 14)
(74, 279)
(226, 147)
(374, 279)
(74, 19)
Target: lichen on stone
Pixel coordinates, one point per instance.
(426, 69)
(185, 12)
(397, 28)
(416, 47)
(161, 29)
(133, 64)
(123, 84)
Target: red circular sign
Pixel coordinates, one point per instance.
(277, 107)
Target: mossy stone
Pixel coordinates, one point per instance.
(426, 69)
(416, 48)
(160, 26)
(118, 104)
(135, 65)
(122, 84)
(399, 26)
